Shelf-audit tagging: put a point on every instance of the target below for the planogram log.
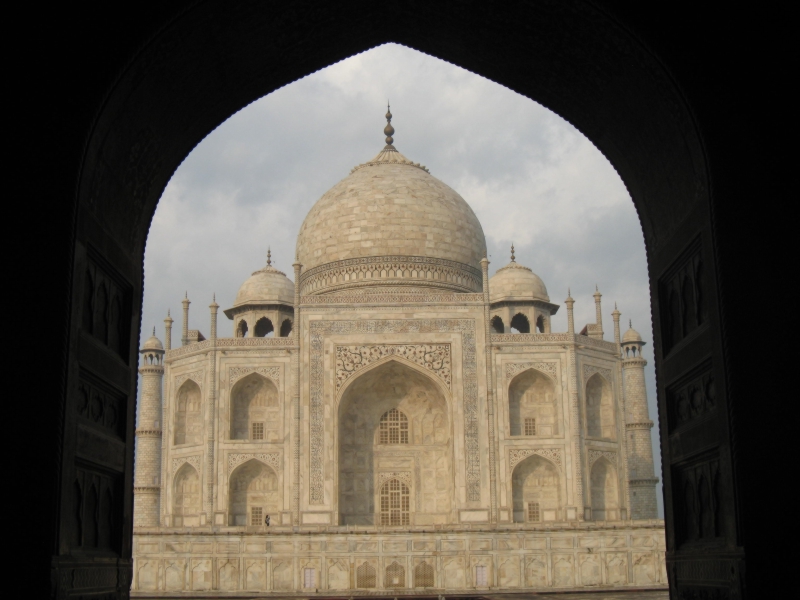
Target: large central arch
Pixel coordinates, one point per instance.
(177, 73)
(394, 433)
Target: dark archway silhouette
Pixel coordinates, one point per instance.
(645, 91)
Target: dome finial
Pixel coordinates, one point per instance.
(269, 257)
(388, 130)
(512, 252)
(630, 323)
(154, 329)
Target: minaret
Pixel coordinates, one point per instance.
(168, 332)
(147, 479)
(641, 475)
(570, 313)
(185, 331)
(598, 329)
(615, 315)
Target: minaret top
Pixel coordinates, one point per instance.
(389, 130)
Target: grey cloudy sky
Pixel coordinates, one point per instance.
(530, 177)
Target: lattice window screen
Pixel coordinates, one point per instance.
(394, 427)
(395, 503)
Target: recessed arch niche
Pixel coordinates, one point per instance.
(600, 419)
(424, 463)
(604, 486)
(253, 493)
(186, 497)
(532, 406)
(254, 409)
(536, 491)
(188, 423)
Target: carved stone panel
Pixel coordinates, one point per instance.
(682, 297)
(434, 357)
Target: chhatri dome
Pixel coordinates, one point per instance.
(390, 225)
(266, 286)
(516, 282)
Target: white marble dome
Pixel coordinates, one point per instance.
(516, 282)
(631, 336)
(265, 286)
(390, 206)
(152, 343)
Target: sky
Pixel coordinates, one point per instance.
(532, 179)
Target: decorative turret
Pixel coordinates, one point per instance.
(147, 475)
(639, 446)
(185, 331)
(519, 300)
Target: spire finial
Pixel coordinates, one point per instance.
(596, 288)
(214, 297)
(168, 312)
(569, 291)
(269, 256)
(388, 130)
(186, 295)
(615, 306)
(630, 323)
(154, 329)
(512, 252)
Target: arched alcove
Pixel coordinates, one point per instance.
(532, 406)
(520, 324)
(187, 501)
(253, 494)
(188, 415)
(241, 329)
(263, 328)
(497, 324)
(286, 328)
(536, 491)
(406, 398)
(255, 413)
(600, 416)
(604, 491)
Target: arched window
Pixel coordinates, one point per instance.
(605, 498)
(540, 326)
(395, 503)
(423, 575)
(254, 409)
(536, 491)
(253, 495)
(599, 409)
(263, 327)
(395, 576)
(188, 415)
(186, 500)
(286, 328)
(497, 325)
(520, 324)
(365, 576)
(241, 329)
(394, 427)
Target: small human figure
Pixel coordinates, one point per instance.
(266, 520)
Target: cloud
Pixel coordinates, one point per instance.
(531, 178)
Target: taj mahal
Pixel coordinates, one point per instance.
(392, 421)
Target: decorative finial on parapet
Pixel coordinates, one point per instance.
(512, 252)
(269, 257)
(388, 130)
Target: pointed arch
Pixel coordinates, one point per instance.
(263, 327)
(520, 324)
(253, 493)
(395, 577)
(541, 326)
(536, 491)
(286, 328)
(188, 417)
(600, 414)
(372, 393)
(497, 324)
(254, 409)
(186, 497)
(241, 329)
(604, 486)
(532, 404)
